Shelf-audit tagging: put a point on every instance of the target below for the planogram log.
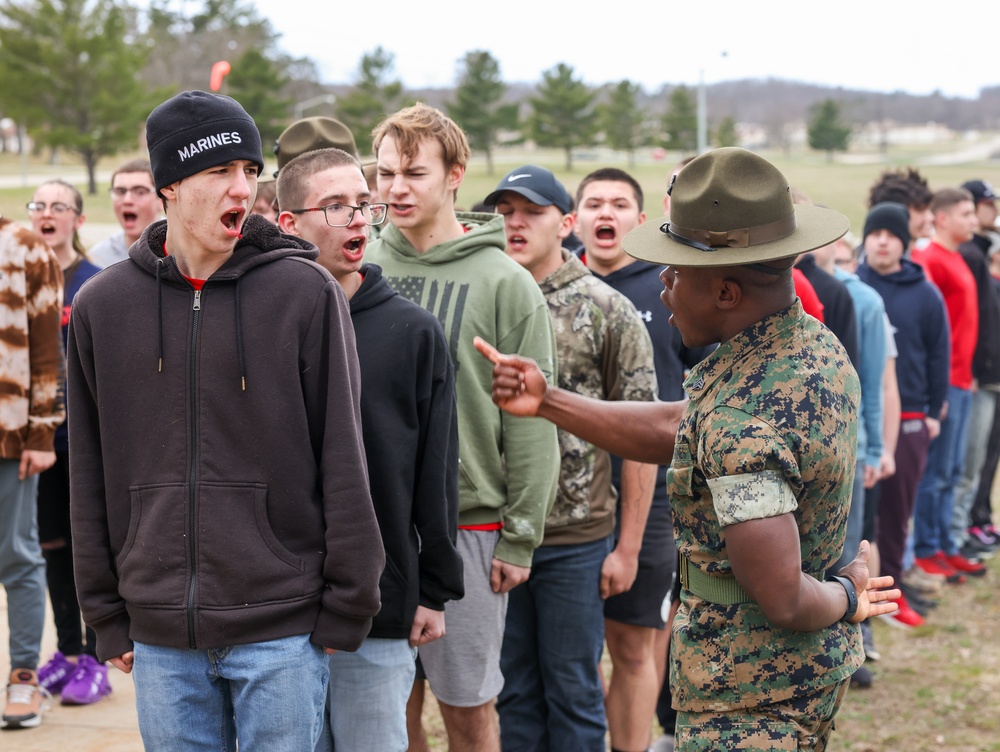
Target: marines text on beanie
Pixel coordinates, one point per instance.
(195, 131)
(892, 217)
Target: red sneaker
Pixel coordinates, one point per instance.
(961, 564)
(937, 564)
(904, 616)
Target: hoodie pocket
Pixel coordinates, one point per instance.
(468, 492)
(399, 600)
(152, 565)
(241, 562)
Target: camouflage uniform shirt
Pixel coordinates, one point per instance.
(603, 351)
(771, 429)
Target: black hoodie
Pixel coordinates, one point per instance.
(411, 441)
(919, 322)
(219, 486)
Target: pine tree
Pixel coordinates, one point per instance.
(69, 72)
(479, 108)
(622, 119)
(826, 130)
(255, 82)
(373, 98)
(725, 134)
(563, 113)
(680, 123)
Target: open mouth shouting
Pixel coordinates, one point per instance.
(232, 221)
(606, 234)
(47, 229)
(354, 248)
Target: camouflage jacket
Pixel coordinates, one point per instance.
(603, 350)
(32, 367)
(771, 429)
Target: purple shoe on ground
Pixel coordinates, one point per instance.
(55, 674)
(88, 685)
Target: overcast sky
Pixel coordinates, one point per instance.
(876, 45)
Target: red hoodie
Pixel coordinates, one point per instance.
(950, 274)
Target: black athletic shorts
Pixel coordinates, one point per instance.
(645, 604)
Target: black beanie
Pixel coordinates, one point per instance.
(195, 131)
(892, 217)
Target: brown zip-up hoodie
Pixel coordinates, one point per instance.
(219, 487)
(31, 360)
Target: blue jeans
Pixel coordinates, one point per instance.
(935, 494)
(368, 694)
(22, 568)
(270, 695)
(552, 698)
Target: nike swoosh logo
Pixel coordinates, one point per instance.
(512, 178)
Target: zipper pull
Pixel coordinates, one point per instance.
(197, 300)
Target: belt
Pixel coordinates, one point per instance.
(722, 589)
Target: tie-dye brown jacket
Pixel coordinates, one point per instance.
(31, 358)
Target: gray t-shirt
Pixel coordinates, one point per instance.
(109, 251)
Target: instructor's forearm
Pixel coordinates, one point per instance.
(640, 431)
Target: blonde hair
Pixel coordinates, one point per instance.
(411, 125)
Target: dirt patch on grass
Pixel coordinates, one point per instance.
(937, 687)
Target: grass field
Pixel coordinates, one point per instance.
(842, 184)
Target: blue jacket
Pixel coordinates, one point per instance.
(869, 313)
(920, 324)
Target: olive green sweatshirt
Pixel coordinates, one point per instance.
(508, 466)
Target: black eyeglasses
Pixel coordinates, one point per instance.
(57, 207)
(341, 215)
(139, 191)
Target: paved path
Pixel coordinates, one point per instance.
(109, 725)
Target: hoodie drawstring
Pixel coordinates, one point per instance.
(159, 324)
(159, 313)
(239, 336)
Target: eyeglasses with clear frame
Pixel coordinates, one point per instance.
(341, 215)
(138, 191)
(57, 207)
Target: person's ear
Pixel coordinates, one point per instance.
(728, 293)
(169, 193)
(287, 223)
(568, 223)
(456, 174)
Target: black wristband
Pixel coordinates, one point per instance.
(852, 595)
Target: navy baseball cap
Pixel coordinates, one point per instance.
(980, 190)
(536, 184)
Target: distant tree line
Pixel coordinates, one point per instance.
(82, 75)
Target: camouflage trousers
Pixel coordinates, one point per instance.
(802, 723)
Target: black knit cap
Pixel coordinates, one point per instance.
(892, 217)
(195, 131)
